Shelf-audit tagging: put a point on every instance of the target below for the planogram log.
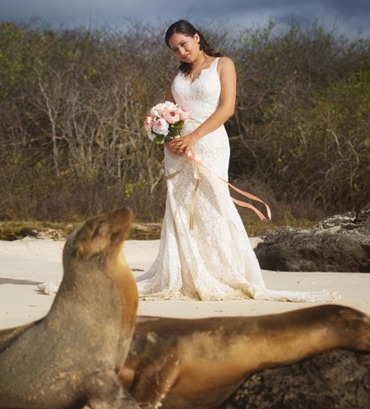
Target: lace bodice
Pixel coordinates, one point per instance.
(201, 101)
(200, 98)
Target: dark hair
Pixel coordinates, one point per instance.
(184, 27)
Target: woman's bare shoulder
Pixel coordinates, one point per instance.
(226, 67)
(226, 62)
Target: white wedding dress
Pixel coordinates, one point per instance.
(215, 260)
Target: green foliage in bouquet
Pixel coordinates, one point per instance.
(173, 131)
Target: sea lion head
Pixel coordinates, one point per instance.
(98, 242)
(103, 234)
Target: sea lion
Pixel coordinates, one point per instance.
(199, 363)
(71, 357)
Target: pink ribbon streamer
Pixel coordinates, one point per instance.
(200, 162)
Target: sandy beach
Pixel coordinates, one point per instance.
(26, 263)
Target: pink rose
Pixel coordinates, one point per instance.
(171, 115)
(148, 123)
(157, 110)
(184, 114)
(170, 105)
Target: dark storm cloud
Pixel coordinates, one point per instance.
(351, 15)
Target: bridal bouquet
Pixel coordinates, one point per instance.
(165, 122)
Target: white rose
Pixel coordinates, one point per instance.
(161, 127)
(158, 110)
(151, 135)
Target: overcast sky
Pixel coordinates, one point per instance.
(348, 16)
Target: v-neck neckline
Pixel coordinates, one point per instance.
(200, 74)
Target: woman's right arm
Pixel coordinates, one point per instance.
(169, 97)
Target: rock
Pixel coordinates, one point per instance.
(145, 231)
(336, 379)
(340, 243)
(54, 234)
(28, 232)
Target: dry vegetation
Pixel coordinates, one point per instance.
(72, 104)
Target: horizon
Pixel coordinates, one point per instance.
(350, 18)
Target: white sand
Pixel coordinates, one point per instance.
(26, 263)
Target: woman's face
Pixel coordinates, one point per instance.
(185, 48)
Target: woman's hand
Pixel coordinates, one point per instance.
(173, 149)
(182, 146)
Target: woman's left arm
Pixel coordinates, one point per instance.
(223, 112)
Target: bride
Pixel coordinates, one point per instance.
(204, 253)
(209, 257)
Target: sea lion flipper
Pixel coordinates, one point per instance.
(110, 394)
(156, 380)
